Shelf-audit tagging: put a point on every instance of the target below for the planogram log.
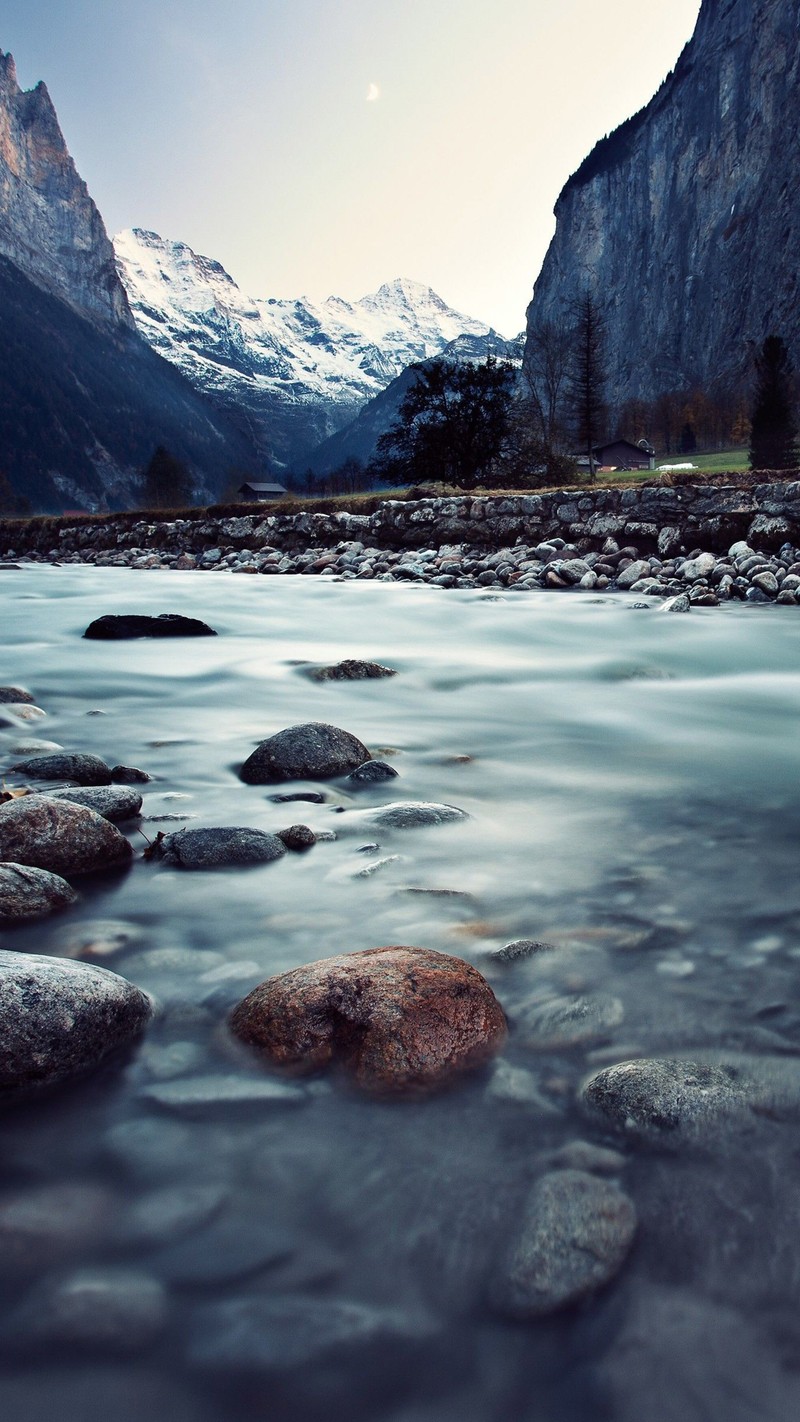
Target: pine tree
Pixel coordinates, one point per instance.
(773, 429)
(166, 482)
(587, 387)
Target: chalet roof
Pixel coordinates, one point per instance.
(643, 449)
(262, 488)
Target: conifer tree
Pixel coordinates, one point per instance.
(773, 428)
(587, 387)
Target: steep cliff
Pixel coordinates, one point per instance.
(685, 222)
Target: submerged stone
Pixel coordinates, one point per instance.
(665, 1100)
(414, 814)
(400, 1020)
(117, 627)
(64, 765)
(314, 750)
(113, 802)
(225, 847)
(27, 893)
(351, 670)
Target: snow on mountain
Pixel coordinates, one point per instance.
(298, 369)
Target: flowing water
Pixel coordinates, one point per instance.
(632, 785)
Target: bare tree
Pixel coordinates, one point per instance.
(545, 371)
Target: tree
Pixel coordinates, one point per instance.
(545, 371)
(450, 424)
(166, 482)
(587, 385)
(773, 429)
(12, 504)
(688, 439)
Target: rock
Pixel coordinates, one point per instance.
(196, 1095)
(767, 582)
(511, 1083)
(15, 696)
(59, 1019)
(27, 893)
(310, 797)
(400, 1020)
(314, 750)
(576, 1233)
(165, 1215)
(283, 1334)
(56, 835)
(110, 1310)
(107, 800)
(681, 603)
(557, 1023)
(371, 772)
(115, 627)
(297, 837)
(219, 848)
(226, 1249)
(583, 1155)
(640, 568)
(129, 775)
(699, 567)
(44, 1225)
(517, 950)
(351, 670)
(664, 1100)
(61, 765)
(414, 814)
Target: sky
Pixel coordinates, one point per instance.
(322, 147)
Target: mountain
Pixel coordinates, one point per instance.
(358, 438)
(685, 222)
(83, 399)
(297, 368)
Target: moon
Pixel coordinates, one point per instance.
(373, 94)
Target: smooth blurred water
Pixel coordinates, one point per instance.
(632, 785)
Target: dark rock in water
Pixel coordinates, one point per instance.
(114, 1311)
(15, 696)
(575, 1235)
(129, 775)
(282, 1334)
(218, 848)
(371, 772)
(107, 800)
(664, 1100)
(583, 1155)
(517, 950)
(56, 835)
(315, 751)
(202, 1095)
(414, 814)
(309, 797)
(225, 1250)
(351, 670)
(44, 1225)
(64, 765)
(400, 1020)
(27, 893)
(118, 627)
(553, 1023)
(297, 837)
(59, 1019)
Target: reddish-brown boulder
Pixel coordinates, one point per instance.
(400, 1020)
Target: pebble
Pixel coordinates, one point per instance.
(518, 950)
(311, 751)
(196, 1095)
(59, 1019)
(297, 837)
(105, 1310)
(227, 1248)
(513, 1083)
(558, 1023)
(372, 772)
(44, 1225)
(27, 893)
(575, 1235)
(583, 1155)
(164, 1216)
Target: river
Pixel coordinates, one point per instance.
(631, 780)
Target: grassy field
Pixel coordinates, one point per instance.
(718, 463)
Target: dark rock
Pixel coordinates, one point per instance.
(15, 696)
(351, 670)
(129, 775)
(282, 1334)
(45, 1225)
(314, 751)
(309, 797)
(297, 837)
(56, 835)
(371, 772)
(59, 1019)
(114, 628)
(520, 948)
(225, 1250)
(27, 893)
(219, 848)
(583, 1155)
(63, 765)
(108, 1310)
(106, 800)
(665, 1100)
(400, 1020)
(576, 1233)
(414, 814)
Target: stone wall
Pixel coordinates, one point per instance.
(651, 517)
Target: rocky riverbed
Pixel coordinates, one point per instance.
(535, 1157)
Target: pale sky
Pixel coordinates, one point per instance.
(322, 147)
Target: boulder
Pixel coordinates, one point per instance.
(58, 1019)
(351, 670)
(665, 1100)
(27, 893)
(112, 802)
(315, 751)
(400, 1020)
(576, 1232)
(219, 848)
(122, 627)
(64, 765)
(15, 696)
(59, 836)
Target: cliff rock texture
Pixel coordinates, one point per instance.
(49, 227)
(685, 222)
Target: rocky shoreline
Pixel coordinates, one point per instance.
(699, 544)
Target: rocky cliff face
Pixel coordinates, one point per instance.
(298, 369)
(685, 222)
(49, 227)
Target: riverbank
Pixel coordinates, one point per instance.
(698, 543)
